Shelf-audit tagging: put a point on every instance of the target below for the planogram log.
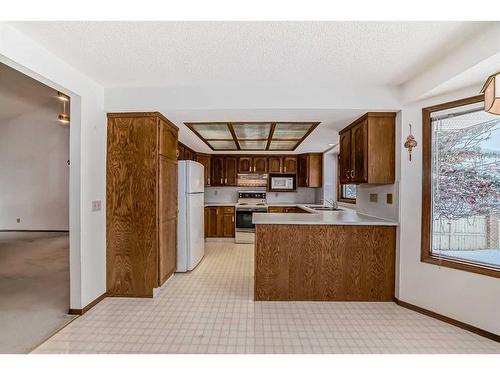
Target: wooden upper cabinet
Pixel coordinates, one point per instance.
(310, 170)
(345, 157)
(217, 166)
(180, 151)
(245, 164)
(367, 149)
(359, 161)
(275, 164)
(259, 164)
(230, 170)
(290, 164)
(205, 160)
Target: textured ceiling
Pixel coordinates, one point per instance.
(249, 53)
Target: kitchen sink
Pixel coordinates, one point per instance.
(323, 208)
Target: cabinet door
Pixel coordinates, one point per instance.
(275, 164)
(217, 171)
(187, 154)
(167, 218)
(302, 171)
(245, 164)
(345, 158)
(259, 164)
(230, 171)
(228, 222)
(290, 164)
(211, 221)
(359, 155)
(205, 160)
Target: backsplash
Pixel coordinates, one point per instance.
(226, 194)
(380, 208)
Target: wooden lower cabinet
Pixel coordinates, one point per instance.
(219, 221)
(286, 210)
(324, 262)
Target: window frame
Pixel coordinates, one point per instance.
(341, 198)
(426, 255)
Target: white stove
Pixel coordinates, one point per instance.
(248, 202)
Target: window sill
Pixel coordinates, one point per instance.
(461, 265)
(346, 200)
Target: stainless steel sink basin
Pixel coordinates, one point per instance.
(323, 208)
(326, 209)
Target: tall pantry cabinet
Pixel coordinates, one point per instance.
(141, 203)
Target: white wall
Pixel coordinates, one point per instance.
(465, 296)
(87, 154)
(34, 183)
(230, 195)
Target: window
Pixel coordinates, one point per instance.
(461, 187)
(346, 192)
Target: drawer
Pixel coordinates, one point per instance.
(228, 210)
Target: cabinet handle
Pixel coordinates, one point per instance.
(284, 169)
(232, 219)
(225, 181)
(221, 181)
(347, 173)
(208, 180)
(352, 173)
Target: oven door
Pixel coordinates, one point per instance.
(244, 219)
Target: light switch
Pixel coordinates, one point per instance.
(96, 205)
(373, 197)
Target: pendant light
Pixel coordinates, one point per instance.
(63, 117)
(491, 91)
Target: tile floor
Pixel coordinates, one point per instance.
(211, 310)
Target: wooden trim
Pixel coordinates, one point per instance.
(89, 306)
(140, 114)
(446, 319)
(365, 116)
(426, 255)
(235, 139)
(314, 126)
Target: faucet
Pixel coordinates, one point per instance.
(332, 203)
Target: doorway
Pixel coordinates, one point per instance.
(34, 211)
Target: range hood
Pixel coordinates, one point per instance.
(252, 179)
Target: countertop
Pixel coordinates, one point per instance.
(346, 216)
(208, 204)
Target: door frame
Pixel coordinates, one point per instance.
(75, 285)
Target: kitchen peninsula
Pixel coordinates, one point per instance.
(324, 256)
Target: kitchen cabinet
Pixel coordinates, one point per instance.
(141, 203)
(286, 210)
(205, 160)
(219, 221)
(255, 164)
(289, 164)
(275, 164)
(310, 170)
(230, 171)
(217, 167)
(180, 151)
(244, 164)
(367, 150)
(282, 164)
(259, 164)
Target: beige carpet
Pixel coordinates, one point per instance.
(34, 288)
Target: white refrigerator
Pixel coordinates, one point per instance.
(190, 225)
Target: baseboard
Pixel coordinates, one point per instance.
(88, 307)
(446, 319)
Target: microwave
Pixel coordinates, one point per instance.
(282, 182)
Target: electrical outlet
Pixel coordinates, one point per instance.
(373, 197)
(389, 198)
(18, 219)
(96, 205)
